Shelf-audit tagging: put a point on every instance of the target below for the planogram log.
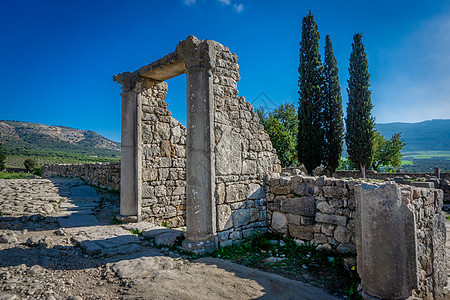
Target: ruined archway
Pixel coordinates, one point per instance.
(227, 151)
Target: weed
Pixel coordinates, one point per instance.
(165, 224)
(136, 232)
(116, 222)
(273, 253)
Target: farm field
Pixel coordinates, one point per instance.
(16, 161)
(425, 161)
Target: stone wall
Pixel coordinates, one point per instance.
(313, 209)
(243, 155)
(104, 175)
(322, 211)
(163, 159)
(438, 181)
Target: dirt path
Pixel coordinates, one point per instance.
(58, 241)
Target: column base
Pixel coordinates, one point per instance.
(127, 219)
(200, 247)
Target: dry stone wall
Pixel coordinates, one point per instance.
(163, 159)
(243, 156)
(319, 210)
(104, 175)
(322, 211)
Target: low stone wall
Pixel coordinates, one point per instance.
(323, 211)
(104, 175)
(443, 182)
(313, 209)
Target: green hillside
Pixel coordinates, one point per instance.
(427, 144)
(54, 144)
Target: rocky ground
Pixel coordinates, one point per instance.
(58, 241)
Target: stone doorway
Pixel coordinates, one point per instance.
(227, 152)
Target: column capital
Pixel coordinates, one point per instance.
(197, 54)
(128, 80)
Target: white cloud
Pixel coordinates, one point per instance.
(226, 2)
(238, 7)
(189, 2)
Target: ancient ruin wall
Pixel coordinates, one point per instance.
(104, 175)
(163, 159)
(322, 211)
(243, 155)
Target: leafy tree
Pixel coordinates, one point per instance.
(30, 164)
(2, 158)
(332, 122)
(387, 152)
(310, 135)
(282, 126)
(359, 136)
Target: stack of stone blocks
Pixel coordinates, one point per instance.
(104, 175)
(319, 210)
(219, 160)
(163, 159)
(398, 232)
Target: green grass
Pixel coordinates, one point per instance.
(16, 161)
(427, 155)
(5, 175)
(329, 270)
(407, 162)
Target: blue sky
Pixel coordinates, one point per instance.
(58, 57)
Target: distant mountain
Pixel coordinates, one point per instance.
(422, 136)
(54, 144)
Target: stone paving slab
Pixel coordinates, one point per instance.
(108, 240)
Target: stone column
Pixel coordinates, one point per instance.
(200, 175)
(386, 242)
(130, 148)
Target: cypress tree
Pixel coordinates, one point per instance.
(332, 122)
(310, 136)
(359, 136)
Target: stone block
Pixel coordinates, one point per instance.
(304, 206)
(331, 219)
(224, 219)
(293, 219)
(255, 191)
(306, 220)
(386, 240)
(301, 232)
(279, 220)
(325, 207)
(281, 190)
(422, 184)
(302, 189)
(342, 235)
(242, 217)
(235, 193)
(220, 190)
(320, 238)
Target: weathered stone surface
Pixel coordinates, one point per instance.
(302, 189)
(279, 220)
(331, 219)
(304, 206)
(342, 235)
(224, 219)
(243, 217)
(235, 193)
(382, 242)
(301, 232)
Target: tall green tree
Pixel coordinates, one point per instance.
(387, 152)
(359, 136)
(282, 127)
(310, 135)
(332, 116)
(2, 158)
